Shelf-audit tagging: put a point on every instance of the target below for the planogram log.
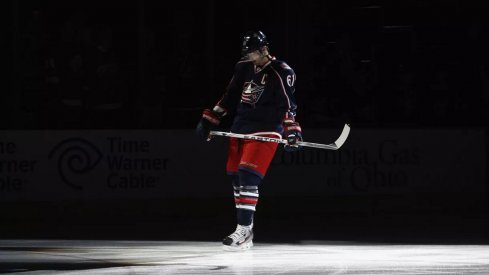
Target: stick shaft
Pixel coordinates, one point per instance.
(332, 146)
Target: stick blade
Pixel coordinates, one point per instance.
(343, 136)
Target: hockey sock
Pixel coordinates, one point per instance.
(245, 217)
(248, 197)
(236, 188)
(247, 204)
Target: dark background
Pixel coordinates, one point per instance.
(156, 65)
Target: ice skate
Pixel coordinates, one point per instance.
(239, 240)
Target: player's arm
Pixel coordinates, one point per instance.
(230, 99)
(287, 103)
(227, 104)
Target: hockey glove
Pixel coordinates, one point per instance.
(208, 121)
(293, 134)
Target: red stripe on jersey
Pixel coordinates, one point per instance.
(293, 128)
(210, 116)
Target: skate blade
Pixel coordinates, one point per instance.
(243, 247)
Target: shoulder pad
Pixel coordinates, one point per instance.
(282, 67)
(285, 66)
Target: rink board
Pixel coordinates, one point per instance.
(139, 164)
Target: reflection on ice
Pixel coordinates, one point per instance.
(160, 257)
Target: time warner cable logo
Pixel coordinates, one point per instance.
(75, 156)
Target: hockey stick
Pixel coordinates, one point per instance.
(332, 146)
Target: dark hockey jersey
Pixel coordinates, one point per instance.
(261, 97)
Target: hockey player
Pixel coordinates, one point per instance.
(260, 95)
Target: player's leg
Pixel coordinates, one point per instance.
(248, 197)
(236, 189)
(235, 150)
(256, 157)
(232, 168)
(242, 237)
(255, 160)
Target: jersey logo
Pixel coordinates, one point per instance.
(251, 93)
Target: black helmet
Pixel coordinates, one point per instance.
(252, 41)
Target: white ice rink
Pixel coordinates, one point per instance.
(172, 257)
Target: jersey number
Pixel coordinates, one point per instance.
(291, 80)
